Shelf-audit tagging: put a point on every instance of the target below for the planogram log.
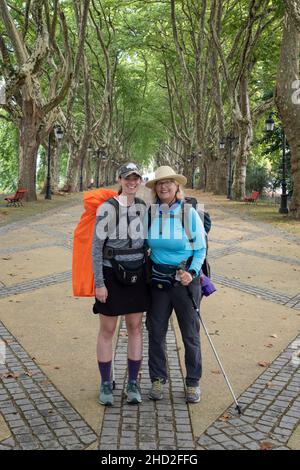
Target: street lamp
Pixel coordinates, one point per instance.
(228, 139)
(283, 209)
(59, 133)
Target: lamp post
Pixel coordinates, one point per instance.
(59, 133)
(283, 209)
(228, 139)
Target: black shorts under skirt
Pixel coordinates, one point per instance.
(122, 299)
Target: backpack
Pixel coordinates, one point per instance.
(82, 266)
(205, 217)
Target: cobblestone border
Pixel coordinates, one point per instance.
(270, 411)
(34, 284)
(38, 415)
(164, 424)
(291, 301)
(35, 246)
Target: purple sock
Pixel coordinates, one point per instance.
(105, 368)
(133, 369)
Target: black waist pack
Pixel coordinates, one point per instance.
(128, 272)
(163, 276)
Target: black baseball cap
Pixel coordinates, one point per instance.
(129, 169)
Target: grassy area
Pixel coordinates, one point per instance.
(266, 212)
(262, 211)
(12, 214)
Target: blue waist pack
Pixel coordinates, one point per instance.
(163, 276)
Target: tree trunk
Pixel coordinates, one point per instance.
(222, 177)
(289, 108)
(73, 169)
(210, 168)
(245, 139)
(28, 144)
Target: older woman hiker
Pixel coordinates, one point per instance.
(118, 264)
(176, 264)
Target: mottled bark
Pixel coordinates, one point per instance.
(28, 145)
(210, 175)
(287, 98)
(221, 177)
(245, 134)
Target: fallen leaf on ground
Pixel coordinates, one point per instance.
(56, 367)
(264, 363)
(224, 418)
(10, 375)
(269, 345)
(75, 337)
(7, 259)
(45, 382)
(266, 445)
(270, 384)
(215, 372)
(274, 336)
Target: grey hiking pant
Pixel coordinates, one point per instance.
(157, 320)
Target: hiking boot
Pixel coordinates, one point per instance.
(133, 392)
(193, 394)
(106, 396)
(156, 392)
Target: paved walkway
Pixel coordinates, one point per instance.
(39, 413)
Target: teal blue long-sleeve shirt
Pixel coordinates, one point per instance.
(168, 240)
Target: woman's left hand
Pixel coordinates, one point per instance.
(185, 277)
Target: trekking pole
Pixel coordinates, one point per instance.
(238, 408)
(113, 371)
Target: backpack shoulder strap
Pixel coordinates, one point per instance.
(186, 223)
(138, 200)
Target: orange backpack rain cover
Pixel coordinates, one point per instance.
(82, 267)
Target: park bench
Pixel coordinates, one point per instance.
(16, 199)
(253, 197)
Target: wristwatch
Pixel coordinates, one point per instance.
(193, 273)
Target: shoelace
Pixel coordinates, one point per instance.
(133, 387)
(107, 389)
(157, 385)
(192, 390)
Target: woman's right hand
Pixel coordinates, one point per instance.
(101, 294)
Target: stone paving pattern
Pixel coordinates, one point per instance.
(40, 417)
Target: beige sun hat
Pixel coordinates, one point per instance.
(164, 173)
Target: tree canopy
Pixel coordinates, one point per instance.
(156, 82)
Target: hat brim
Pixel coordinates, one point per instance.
(180, 179)
(133, 172)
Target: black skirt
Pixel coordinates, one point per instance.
(122, 299)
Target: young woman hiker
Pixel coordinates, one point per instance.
(118, 264)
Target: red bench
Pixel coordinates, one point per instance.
(253, 197)
(16, 199)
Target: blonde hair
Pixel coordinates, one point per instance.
(179, 193)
